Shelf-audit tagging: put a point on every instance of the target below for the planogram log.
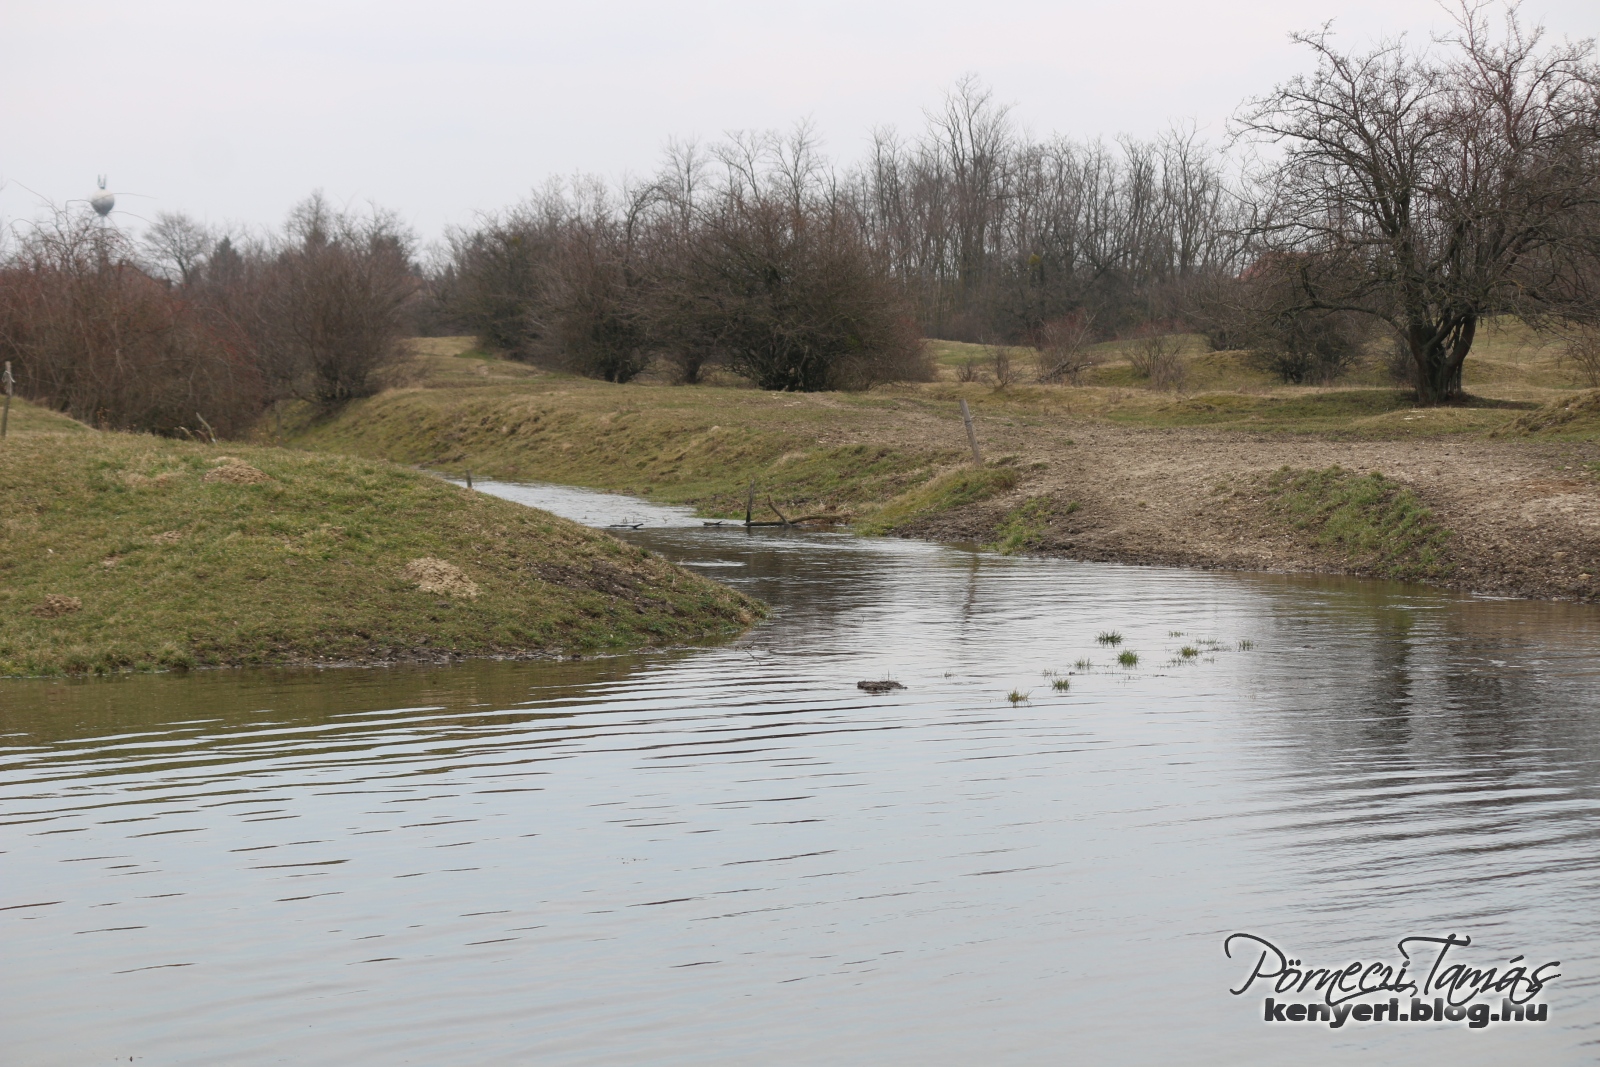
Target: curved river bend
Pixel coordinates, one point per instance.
(732, 855)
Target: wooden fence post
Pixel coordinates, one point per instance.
(972, 436)
(5, 419)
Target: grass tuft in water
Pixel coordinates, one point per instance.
(1128, 659)
(1082, 665)
(1245, 644)
(1188, 652)
(1018, 697)
(1109, 637)
(1061, 685)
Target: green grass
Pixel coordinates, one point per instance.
(1024, 526)
(1128, 659)
(1109, 637)
(953, 489)
(1381, 527)
(171, 565)
(1061, 685)
(28, 418)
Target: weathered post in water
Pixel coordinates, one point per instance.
(5, 419)
(972, 436)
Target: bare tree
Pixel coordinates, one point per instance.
(330, 312)
(177, 247)
(1429, 190)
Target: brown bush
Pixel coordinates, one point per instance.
(90, 334)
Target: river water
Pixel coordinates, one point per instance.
(732, 855)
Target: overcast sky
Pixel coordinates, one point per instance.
(233, 111)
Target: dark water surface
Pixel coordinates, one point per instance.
(733, 856)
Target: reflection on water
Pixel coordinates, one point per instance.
(729, 855)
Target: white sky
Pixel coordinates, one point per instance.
(234, 111)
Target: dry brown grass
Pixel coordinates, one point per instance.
(437, 576)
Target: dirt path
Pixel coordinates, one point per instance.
(1525, 515)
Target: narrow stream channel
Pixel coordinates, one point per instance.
(732, 855)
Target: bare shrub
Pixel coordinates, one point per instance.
(597, 290)
(1397, 362)
(1001, 368)
(1063, 346)
(1581, 352)
(969, 371)
(765, 270)
(494, 282)
(1308, 347)
(772, 269)
(1157, 357)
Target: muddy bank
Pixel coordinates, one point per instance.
(1523, 516)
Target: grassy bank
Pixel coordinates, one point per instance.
(1378, 527)
(129, 552)
(696, 445)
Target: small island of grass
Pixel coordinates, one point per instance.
(128, 552)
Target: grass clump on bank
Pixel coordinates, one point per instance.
(953, 489)
(1380, 526)
(1024, 526)
(136, 553)
(1573, 416)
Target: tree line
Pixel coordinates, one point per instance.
(188, 331)
(1392, 196)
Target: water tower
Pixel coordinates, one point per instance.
(103, 199)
